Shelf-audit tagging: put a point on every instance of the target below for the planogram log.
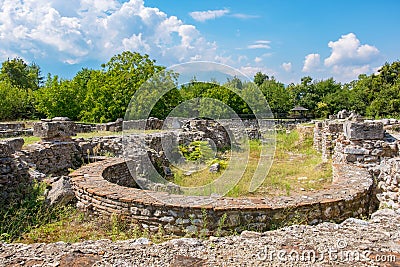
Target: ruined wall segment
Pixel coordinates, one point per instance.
(349, 197)
(388, 191)
(14, 174)
(364, 144)
(372, 145)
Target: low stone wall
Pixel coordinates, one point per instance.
(151, 124)
(85, 127)
(16, 133)
(365, 144)
(58, 153)
(98, 146)
(350, 196)
(364, 153)
(325, 135)
(212, 130)
(12, 126)
(14, 129)
(14, 176)
(56, 158)
(119, 174)
(115, 126)
(388, 183)
(107, 186)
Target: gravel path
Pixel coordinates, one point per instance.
(352, 243)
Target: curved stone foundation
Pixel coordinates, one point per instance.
(99, 187)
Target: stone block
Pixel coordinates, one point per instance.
(5, 150)
(54, 129)
(363, 130)
(15, 143)
(335, 127)
(61, 192)
(12, 126)
(356, 151)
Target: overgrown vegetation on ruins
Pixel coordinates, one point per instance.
(297, 167)
(32, 220)
(103, 95)
(31, 212)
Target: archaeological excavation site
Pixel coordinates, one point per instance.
(353, 218)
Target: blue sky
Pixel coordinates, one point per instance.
(285, 39)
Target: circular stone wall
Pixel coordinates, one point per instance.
(99, 187)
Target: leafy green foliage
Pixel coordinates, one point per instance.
(316, 96)
(157, 97)
(197, 151)
(104, 95)
(21, 75)
(260, 78)
(223, 163)
(15, 102)
(99, 95)
(32, 212)
(278, 97)
(380, 92)
(17, 82)
(63, 97)
(111, 89)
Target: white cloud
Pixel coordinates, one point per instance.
(287, 66)
(311, 61)
(350, 72)
(267, 54)
(349, 57)
(257, 59)
(348, 51)
(261, 44)
(244, 16)
(209, 14)
(82, 30)
(203, 16)
(376, 70)
(242, 58)
(250, 71)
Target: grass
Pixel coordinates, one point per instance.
(96, 134)
(201, 177)
(29, 140)
(297, 168)
(80, 226)
(31, 212)
(31, 220)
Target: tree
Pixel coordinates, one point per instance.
(277, 96)
(377, 95)
(21, 80)
(14, 101)
(20, 74)
(234, 83)
(260, 78)
(111, 89)
(64, 97)
(316, 96)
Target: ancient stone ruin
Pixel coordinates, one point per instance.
(14, 175)
(362, 153)
(366, 170)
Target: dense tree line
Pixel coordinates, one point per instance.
(104, 95)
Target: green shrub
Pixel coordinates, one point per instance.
(31, 212)
(197, 151)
